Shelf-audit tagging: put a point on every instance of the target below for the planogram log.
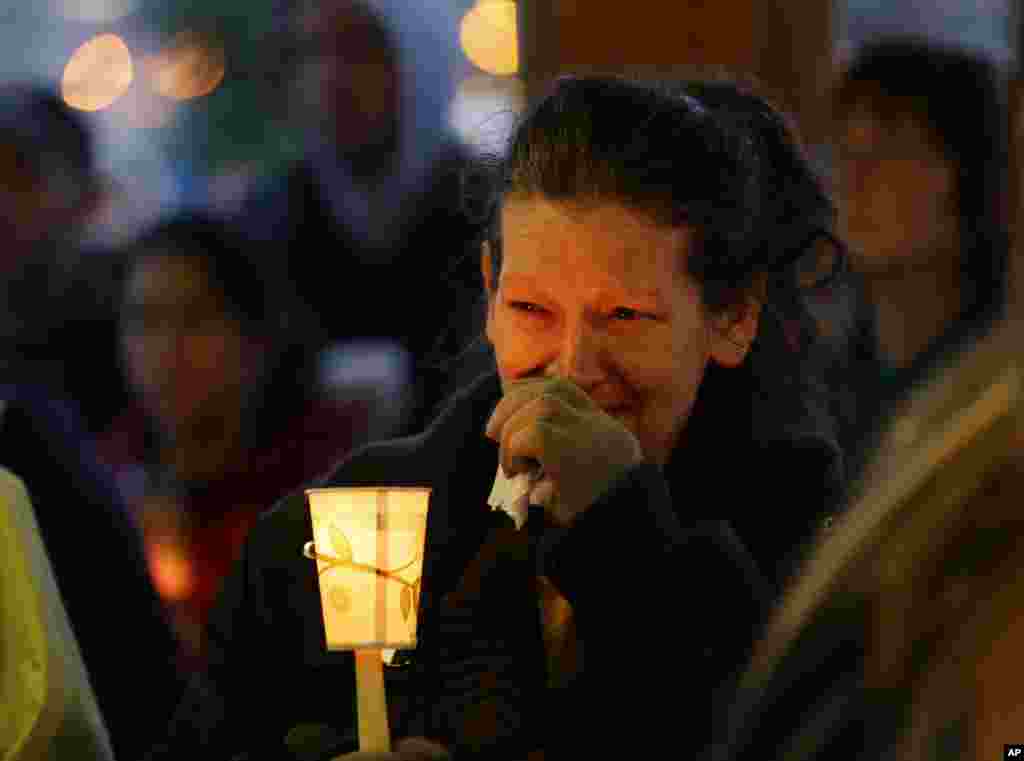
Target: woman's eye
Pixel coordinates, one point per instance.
(625, 313)
(525, 306)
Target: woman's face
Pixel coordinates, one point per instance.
(601, 295)
(183, 352)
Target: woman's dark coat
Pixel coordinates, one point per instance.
(666, 602)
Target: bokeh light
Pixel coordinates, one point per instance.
(94, 11)
(171, 571)
(190, 67)
(490, 38)
(99, 72)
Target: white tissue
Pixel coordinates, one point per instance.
(511, 495)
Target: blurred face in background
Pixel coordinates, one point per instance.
(184, 353)
(350, 80)
(897, 193)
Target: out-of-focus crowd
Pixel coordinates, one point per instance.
(160, 395)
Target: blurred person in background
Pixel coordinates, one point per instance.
(57, 301)
(921, 152)
(50, 710)
(227, 410)
(58, 362)
(901, 638)
(378, 190)
(95, 551)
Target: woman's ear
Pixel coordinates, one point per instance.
(733, 331)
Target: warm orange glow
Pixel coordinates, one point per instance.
(98, 73)
(190, 67)
(489, 36)
(171, 571)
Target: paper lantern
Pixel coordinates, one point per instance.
(368, 546)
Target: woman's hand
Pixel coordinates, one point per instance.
(409, 749)
(582, 449)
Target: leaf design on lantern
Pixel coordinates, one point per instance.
(340, 542)
(406, 602)
(340, 596)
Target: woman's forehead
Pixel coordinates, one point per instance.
(609, 236)
(538, 211)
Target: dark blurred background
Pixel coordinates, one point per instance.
(201, 111)
(187, 97)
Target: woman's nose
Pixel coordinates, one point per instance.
(580, 356)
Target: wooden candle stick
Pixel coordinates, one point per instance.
(371, 702)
